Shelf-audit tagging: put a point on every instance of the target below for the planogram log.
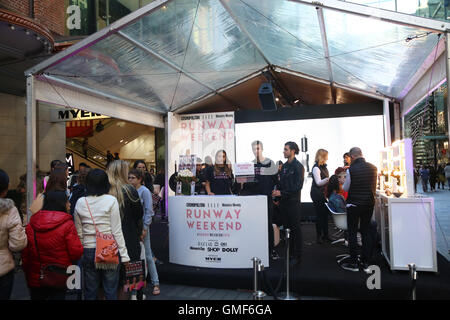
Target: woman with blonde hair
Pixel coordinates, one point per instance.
(319, 183)
(130, 207)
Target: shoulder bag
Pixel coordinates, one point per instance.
(106, 249)
(51, 275)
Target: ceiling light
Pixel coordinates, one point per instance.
(121, 140)
(277, 99)
(297, 101)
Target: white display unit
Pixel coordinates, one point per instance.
(407, 227)
(221, 231)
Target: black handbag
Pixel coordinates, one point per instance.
(51, 275)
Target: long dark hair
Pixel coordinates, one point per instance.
(137, 162)
(57, 180)
(55, 200)
(333, 185)
(226, 166)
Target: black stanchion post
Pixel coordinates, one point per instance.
(413, 274)
(288, 295)
(257, 267)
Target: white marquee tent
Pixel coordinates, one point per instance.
(170, 55)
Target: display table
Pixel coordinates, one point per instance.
(218, 231)
(407, 227)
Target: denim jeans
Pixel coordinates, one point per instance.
(92, 278)
(149, 257)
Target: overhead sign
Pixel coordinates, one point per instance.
(219, 231)
(74, 114)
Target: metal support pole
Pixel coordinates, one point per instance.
(288, 295)
(447, 69)
(31, 143)
(257, 267)
(387, 123)
(413, 275)
(397, 120)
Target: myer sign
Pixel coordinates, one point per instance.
(74, 114)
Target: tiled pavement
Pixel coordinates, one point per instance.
(442, 213)
(168, 292)
(179, 292)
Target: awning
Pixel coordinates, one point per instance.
(171, 54)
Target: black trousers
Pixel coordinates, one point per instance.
(47, 294)
(6, 285)
(363, 216)
(290, 209)
(321, 218)
(269, 222)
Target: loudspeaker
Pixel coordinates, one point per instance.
(266, 98)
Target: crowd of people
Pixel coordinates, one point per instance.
(350, 189)
(431, 175)
(67, 218)
(69, 214)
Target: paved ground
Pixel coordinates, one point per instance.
(442, 213)
(168, 292)
(180, 292)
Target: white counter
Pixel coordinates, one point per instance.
(218, 231)
(408, 233)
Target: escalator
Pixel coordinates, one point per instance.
(94, 155)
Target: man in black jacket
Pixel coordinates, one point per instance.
(361, 184)
(291, 182)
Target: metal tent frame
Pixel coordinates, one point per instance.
(135, 44)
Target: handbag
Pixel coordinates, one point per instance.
(106, 248)
(51, 275)
(155, 201)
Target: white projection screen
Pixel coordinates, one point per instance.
(336, 135)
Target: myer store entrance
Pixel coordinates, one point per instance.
(95, 139)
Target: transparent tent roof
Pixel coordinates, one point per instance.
(170, 53)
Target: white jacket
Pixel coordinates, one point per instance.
(12, 235)
(105, 210)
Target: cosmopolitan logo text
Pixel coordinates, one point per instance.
(213, 219)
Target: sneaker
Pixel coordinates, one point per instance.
(274, 255)
(363, 266)
(350, 266)
(133, 297)
(144, 297)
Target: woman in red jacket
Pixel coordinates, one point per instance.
(57, 241)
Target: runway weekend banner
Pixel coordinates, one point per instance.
(202, 135)
(219, 231)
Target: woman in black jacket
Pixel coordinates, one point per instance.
(319, 183)
(131, 210)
